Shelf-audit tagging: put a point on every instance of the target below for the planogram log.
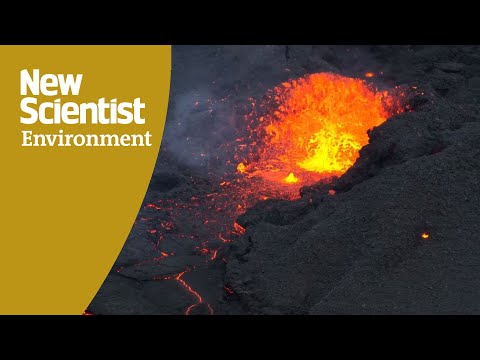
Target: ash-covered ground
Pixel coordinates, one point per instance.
(359, 251)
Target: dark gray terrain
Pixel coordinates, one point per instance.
(357, 252)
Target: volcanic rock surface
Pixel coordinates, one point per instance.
(357, 251)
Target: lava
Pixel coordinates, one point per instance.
(241, 167)
(214, 254)
(303, 131)
(425, 235)
(194, 293)
(239, 229)
(228, 290)
(291, 178)
(314, 128)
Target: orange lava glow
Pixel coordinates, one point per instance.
(425, 235)
(369, 75)
(315, 129)
(238, 228)
(291, 179)
(197, 296)
(241, 167)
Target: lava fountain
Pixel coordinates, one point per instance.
(313, 128)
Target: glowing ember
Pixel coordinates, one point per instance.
(369, 75)
(291, 178)
(314, 128)
(238, 228)
(241, 167)
(425, 235)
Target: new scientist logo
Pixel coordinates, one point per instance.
(100, 113)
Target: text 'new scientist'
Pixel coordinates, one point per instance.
(72, 113)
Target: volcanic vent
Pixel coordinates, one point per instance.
(312, 128)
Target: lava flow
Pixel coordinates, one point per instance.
(304, 131)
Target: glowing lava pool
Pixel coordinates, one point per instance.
(314, 127)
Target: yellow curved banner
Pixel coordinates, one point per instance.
(81, 131)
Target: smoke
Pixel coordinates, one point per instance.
(210, 94)
(213, 88)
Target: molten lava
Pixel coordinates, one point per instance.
(314, 128)
(291, 178)
(304, 131)
(241, 167)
